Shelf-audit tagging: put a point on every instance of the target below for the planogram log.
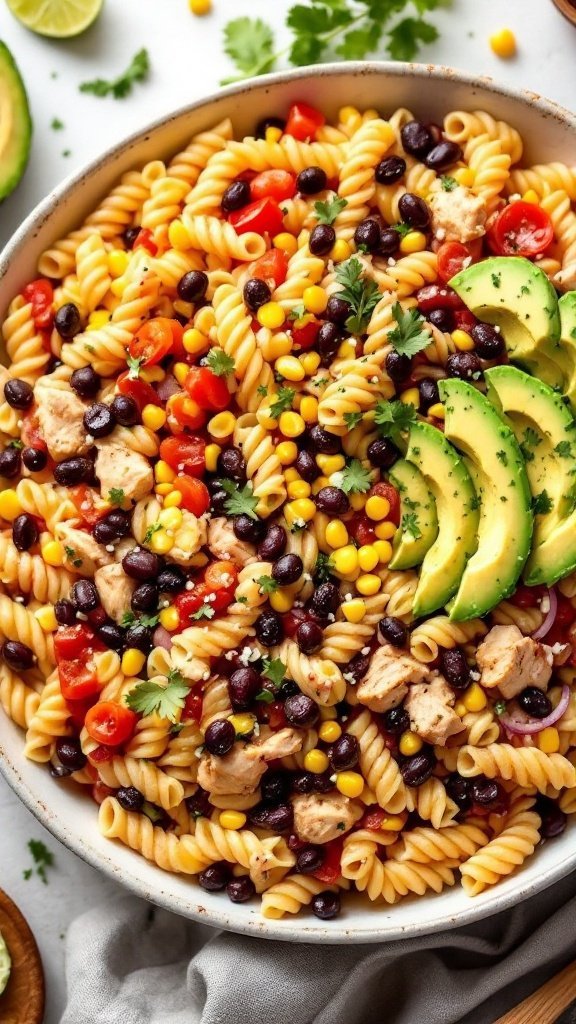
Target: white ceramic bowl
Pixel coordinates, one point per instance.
(549, 133)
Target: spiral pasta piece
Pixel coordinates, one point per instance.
(50, 720)
(378, 766)
(291, 895)
(502, 855)
(156, 786)
(19, 701)
(427, 637)
(527, 766)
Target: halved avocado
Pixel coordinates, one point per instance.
(456, 502)
(567, 310)
(15, 124)
(418, 520)
(505, 528)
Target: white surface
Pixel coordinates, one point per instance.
(187, 63)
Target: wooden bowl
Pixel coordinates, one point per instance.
(567, 8)
(22, 1001)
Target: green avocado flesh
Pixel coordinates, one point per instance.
(505, 527)
(448, 480)
(15, 124)
(418, 520)
(567, 310)
(5, 964)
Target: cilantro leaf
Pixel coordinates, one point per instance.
(355, 478)
(360, 292)
(150, 698)
(352, 419)
(134, 365)
(410, 525)
(283, 401)
(267, 584)
(409, 337)
(249, 42)
(152, 812)
(137, 71)
(405, 37)
(402, 229)
(219, 362)
(205, 611)
(274, 669)
(323, 569)
(541, 503)
(15, 443)
(43, 858)
(239, 501)
(265, 697)
(56, 124)
(448, 183)
(298, 312)
(393, 419)
(128, 619)
(327, 211)
(152, 529)
(149, 620)
(116, 496)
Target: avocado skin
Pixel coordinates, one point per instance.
(14, 158)
(415, 499)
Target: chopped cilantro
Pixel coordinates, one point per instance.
(220, 363)
(496, 280)
(152, 529)
(323, 569)
(448, 183)
(361, 293)
(43, 858)
(150, 698)
(502, 457)
(410, 525)
(205, 611)
(355, 478)
(541, 503)
(120, 87)
(564, 449)
(71, 554)
(116, 496)
(410, 336)
(282, 402)
(327, 211)
(134, 365)
(274, 669)
(240, 501)
(394, 418)
(267, 584)
(265, 697)
(56, 124)
(352, 419)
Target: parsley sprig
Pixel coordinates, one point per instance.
(360, 292)
(393, 419)
(355, 478)
(220, 363)
(240, 501)
(283, 401)
(43, 858)
(410, 336)
(150, 698)
(120, 87)
(328, 210)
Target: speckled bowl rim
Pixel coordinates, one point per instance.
(200, 906)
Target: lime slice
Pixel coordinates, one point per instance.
(5, 964)
(56, 18)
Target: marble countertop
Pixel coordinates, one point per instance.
(188, 62)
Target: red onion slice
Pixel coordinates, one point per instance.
(162, 638)
(537, 725)
(167, 387)
(550, 617)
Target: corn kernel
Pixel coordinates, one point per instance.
(309, 409)
(263, 414)
(118, 261)
(164, 489)
(336, 534)
(98, 319)
(368, 584)
(503, 43)
(211, 454)
(169, 618)
(384, 546)
(285, 241)
(437, 411)
(319, 483)
(291, 424)
(357, 501)
(173, 499)
(354, 610)
(304, 508)
(185, 309)
(413, 241)
(341, 250)
(281, 600)
(316, 761)
(330, 463)
(163, 473)
(460, 709)
(271, 315)
(411, 397)
(195, 342)
(200, 7)
(47, 619)
(273, 133)
(133, 661)
(345, 559)
(161, 543)
(393, 823)
(349, 783)
(329, 732)
(464, 176)
(10, 506)
(315, 299)
(171, 518)
(549, 740)
(462, 340)
(348, 113)
(222, 425)
(153, 417)
(327, 714)
(152, 375)
(180, 371)
(178, 236)
(287, 452)
(367, 557)
(278, 345)
(384, 531)
(410, 743)
(531, 197)
(347, 350)
(377, 507)
(299, 489)
(243, 723)
(290, 368)
(232, 820)
(310, 361)
(474, 698)
(291, 474)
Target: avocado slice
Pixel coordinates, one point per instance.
(418, 520)
(567, 310)
(515, 295)
(457, 510)
(15, 124)
(506, 521)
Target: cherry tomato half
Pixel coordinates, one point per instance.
(192, 710)
(305, 336)
(388, 491)
(184, 412)
(330, 869)
(184, 452)
(77, 681)
(455, 256)
(73, 641)
(527, 597)
(153, 341)
(207, 389)
(272, 267)
(190, 601)
(521, 229)
(195, 494)
(110, 723)
(277, 184)
(221, 576)
(261, 216)
(303, 121)
(373, 818)
(142, 392)
(361, 528)
(41, 294)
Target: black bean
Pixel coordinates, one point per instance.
(69, 753)
(287, 689)
(218, 500)
(367, 234)
(243, 686)
(417, 769)
(443, 319)
(485, 792)
(393, 631)
(309, 782)
(268, 122)
(215, 877)
(301, 710)
(112, 636)
(554, 820)
(321, 240)
(275, 787)
(119, 521)
(99, 420)
(428, 391)
(219, 737)
(239, 890)
(328, 341)
(309, 637)
(443, 155)
(306, 467)
(333, 501)
(535, 702)
(104, 532)
(141, 565)
(85, 382)
(326, 905)
(269, 629)
(231, 463)
(454, 668)
(458, 789)
(18, 393)
(358, 666)
(246, 528)
(58, 771)
(199, 804)
(398, 366)
(488, 342)
(309, 859)
(98, 617)
(325, 599)
(256, 293)
(464, 365)
(35, 459)
(10, 461)
(171, 580)
(414, 210)
(344, 753)
(323, 441)
(192, 286)
(274, 543)
(68, 321)
(140, 637)
(65, 612)
(145, 598)
(311, 180)
(129, 236)
(287, 569)
(435, 131)
(390, 170)
(389, 242)
(278, 819)
(84, 596)
(130, 798)
(417, 139)
(236, 196)
(24, 532)
(125, 410)
(396, 720)
(73, 471)
(17, 656)
(337, 310)
(383, 453)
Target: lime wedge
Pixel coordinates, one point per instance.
(5, 965)
(57, 18)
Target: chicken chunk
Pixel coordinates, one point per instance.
(83, 553)
(319, 817)
(115, 589)
(117, 466)
(511, 661)
(281, 744)
(458, 215)
(240, 771)
(430, 707)
(224, 544)
(60, 417)
(386, 682)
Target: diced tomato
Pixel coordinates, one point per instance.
(41, 294)
(292, 619)
(436, 296)
(144, 239)
(100, 754)
(303, 121)
(30, 432)
(110, 724)
(261, 216)
(192, 710)
(72, 641)
(190, 601)
(142, 392)
(207, 389)
(221, 576)
(388, 491)
(361, 528)
(277, 184)
(455, 256)
(77, 681)
(304, 337)
(184, 452)
(79, 709)
(100, 791)
(275, 714)
(521, 229)
(195, 494)
(527, 597)
(84, 498)
(330, 870)
(184, 413)
(464, 320)
(272, 267)
(373, 818)
(153, 340)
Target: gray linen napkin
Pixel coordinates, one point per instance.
(130, 964)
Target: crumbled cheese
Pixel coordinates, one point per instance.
(206, 674)
(441, 234)
(189, 585)
(466, 262)
(545, 604)
(90, 439)
(514, 197)
(331, 617)
(299, 523)
(82, 616)
(256, 729)
(557, 648)
(333, 777)
(365, 651)
(349, 677)
(110, 547)
(391, 261)
(20, 600)
(164, 603)
(475, 676)
(348, 597)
